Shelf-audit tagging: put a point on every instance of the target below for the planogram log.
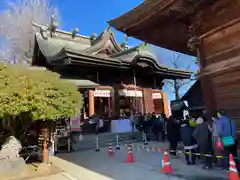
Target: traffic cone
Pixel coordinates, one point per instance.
(45, 152)
(233, 173)
(167, 168)
(110, 150)
(130, 155)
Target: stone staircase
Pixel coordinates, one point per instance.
(89, 141)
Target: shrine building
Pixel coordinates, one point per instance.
(114, 79)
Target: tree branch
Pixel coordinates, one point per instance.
(179, 63)
(16, 25)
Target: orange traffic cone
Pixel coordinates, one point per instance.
(45, 152)
(130, 155)
(110, 150)
(233, 173)
(167, 168)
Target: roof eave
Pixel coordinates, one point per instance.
(171, 75)
(140, 13)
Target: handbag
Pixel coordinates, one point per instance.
(219, 145)
(228, 140)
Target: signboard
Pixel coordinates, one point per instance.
(102, 93)
(75, 124)
(121, 126)
(156, 95)
(130, 93)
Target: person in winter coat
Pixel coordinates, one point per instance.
(226, 127)
(155, 126)
(215, 139)
(204, 140)
(146, 124)
(189, 142)
(164, 122)
(192, 122)
(173, 134)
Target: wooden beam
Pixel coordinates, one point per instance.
(219, 28)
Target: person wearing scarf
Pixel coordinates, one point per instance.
(204, 140)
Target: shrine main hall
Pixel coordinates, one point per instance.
(115, 79)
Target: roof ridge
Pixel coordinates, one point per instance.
(59, 31)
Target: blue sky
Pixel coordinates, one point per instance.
(91, 16)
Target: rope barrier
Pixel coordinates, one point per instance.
(158, 149)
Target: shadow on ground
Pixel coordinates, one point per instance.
(148, 164)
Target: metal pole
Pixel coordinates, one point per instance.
(155, 86)
(135, 85)
(117, 142)
(109, 106)
(145, 139)
(55, 143)
(97, 144)
(69, 145)
(51, 149)
(69, 136)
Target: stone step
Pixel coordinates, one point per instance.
(90, 142)
(93, 147)
(106, 141)
(111, 137)
(107, 135)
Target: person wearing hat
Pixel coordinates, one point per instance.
(189, 142)
(192, 123)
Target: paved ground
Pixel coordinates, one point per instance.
(90, 165)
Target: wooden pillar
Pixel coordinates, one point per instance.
(147, 100)
(116, 101)
(165, 103)
(91, 103)
(112, 102)
(206, 83)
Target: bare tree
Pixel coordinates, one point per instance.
(176, 61)
(180, 63)
(17, 30)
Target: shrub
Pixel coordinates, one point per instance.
(36, 91)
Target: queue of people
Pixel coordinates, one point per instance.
(150, 124)
(215, 136)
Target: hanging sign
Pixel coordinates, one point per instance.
(102, 93)
(130, 93)
(156, 95)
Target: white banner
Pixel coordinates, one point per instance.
(102, 93)
(130, 93)
(156, 95)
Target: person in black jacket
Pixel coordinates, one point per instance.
(173, 134)
(190, 144)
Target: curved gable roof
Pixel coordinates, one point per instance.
(100, 42)
(63, 41)
(63, 49)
